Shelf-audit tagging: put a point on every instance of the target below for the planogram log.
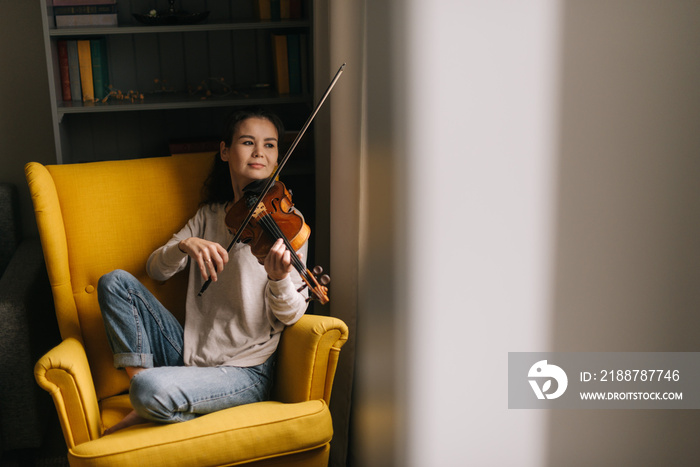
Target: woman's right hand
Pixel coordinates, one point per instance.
(210, 256)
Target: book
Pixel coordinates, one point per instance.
(294, 63)
(85, 9)
(85, 62)
(263, 10)
(294, 9)
(275, 10)
(82, 2)
(74, 70)
(100, 67)
(63, 67)
(280, 63)
(78, 21)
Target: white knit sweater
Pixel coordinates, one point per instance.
(238, 320)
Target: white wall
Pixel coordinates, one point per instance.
(457, 219)
(481, 144)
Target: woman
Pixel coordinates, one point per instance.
(225, 354)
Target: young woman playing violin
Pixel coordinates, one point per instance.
(225, 354)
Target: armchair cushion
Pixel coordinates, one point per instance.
(253, 432)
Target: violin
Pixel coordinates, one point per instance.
(276, 206)
(274, 217)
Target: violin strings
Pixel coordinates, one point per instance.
(273, 229)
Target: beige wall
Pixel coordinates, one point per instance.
(26, 132)
(627, 272)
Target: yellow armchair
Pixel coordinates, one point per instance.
(97, 217)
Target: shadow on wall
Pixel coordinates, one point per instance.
(628, 259)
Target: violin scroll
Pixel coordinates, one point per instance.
(318, 285)
(324, 279)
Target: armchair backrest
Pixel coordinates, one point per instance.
(97, 217)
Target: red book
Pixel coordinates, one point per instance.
(294, 9)
(64, 69)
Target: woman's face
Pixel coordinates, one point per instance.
(252, 154)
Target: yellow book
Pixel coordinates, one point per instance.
(263, 9)
(280, 63)
(284, 9)
(85, 61)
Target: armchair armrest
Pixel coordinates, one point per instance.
(307, 358)
(64, 373)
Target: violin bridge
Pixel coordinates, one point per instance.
(259, 210)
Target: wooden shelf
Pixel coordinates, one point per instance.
(205, 27)
(179, 101)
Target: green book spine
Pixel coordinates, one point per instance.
(100, 68)
(74, 70)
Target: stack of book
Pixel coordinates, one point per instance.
(290, 60)
(84, 70)
(85, 13)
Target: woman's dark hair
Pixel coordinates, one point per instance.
(217, 187)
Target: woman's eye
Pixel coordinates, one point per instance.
(247, 143)
(270, 145)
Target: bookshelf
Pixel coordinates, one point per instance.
(232, 45)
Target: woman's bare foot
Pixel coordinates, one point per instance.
(132, 371)
(132, 418)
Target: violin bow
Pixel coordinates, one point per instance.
(280, 165)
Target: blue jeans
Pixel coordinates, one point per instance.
(142, 333)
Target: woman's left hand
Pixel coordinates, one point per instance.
(278, 262)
